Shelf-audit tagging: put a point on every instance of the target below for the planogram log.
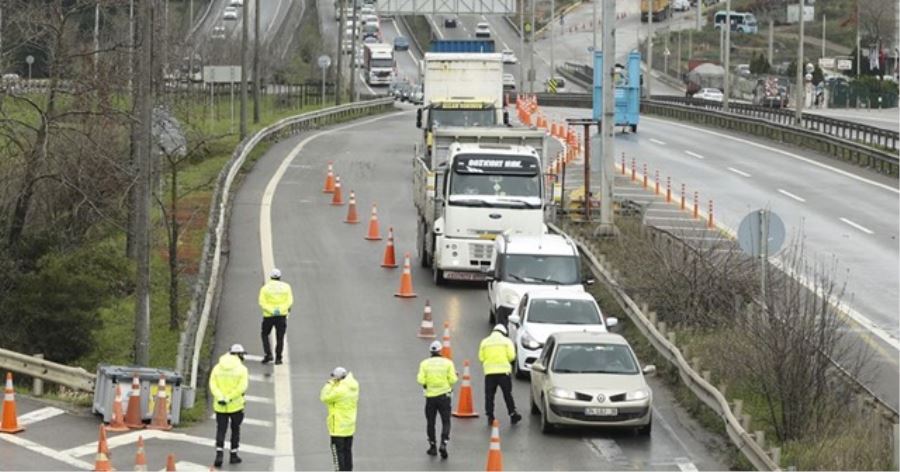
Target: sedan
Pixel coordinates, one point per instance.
(401, 43)
(509, 57)
(482, 30)
(236, 3)
(449, 22)
(230, 13)
(591, 379)
(712, 94)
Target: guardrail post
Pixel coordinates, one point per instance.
(652, 317)
(760, 438)
(738, 407)
(775, 454)
(745, 421)
(672, 338)
(37, 388)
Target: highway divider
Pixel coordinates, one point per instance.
(75, 378)
(207, 288)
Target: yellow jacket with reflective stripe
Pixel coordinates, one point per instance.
(496, 354)
(341, 398)
(438, 375)
(275, 298)
(228, 383)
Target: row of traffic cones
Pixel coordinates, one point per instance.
(102, 460)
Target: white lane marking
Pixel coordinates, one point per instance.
(784, 153)
(654, 140)
(434, 27)
(857, 226)
(131, 437)
(46, 451)
(250, 421)
(685, 465)
(791, 195)
(253, 357)
(39, 415)
(189, 466)
(739, 172)
(260, 378)
(494, 32)
(284, 428)
(693, 154)
(258, 399)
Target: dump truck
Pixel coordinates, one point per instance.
(661, 10)
(379, 63)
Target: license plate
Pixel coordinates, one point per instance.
(601, 411)
(472, 276)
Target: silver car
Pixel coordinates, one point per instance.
(590, 379)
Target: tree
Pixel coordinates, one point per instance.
(759, 64)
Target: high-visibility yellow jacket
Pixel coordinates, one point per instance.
(341, 398)
(496, 354)
(275, 298)
(228, 384)
(438, 375)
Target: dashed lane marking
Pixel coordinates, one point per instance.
(739, 172)
(189, 466)
(46, 451)
(693, 154)
(39, 415)
(258, 399)
(685, 465)
(791, 195)
(656, 141)
(857, 226)
(148, 434)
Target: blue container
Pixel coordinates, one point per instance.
(462, 45)
(628, 91)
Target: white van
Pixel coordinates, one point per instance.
(741, 22)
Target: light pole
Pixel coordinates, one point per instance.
(257, 79)
(531, 72)
(649, 81)
(522, 46)
(245, 33)
(593, 29)
(727, 92)
(798, 108)
(607, 143)
(353, 96)
(552, 29)
(339, 73)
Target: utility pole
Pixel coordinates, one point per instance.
(257, 77)
(521, 45)
(649, 81)
(532, 73)
(1, 38)
(727, 92)
(607, 125)
(552, 29)
(593, 29)
(801, 95)
(339, 73)
(771, 41)
(130, 43)
(823, 35)
(353, 54)
(245, 33)
(678, 62)
(858, 50)
(96, 37)
(699, 20)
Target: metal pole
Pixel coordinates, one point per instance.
(691, 44)
(231, 128)
(245, 34)
(531, 73)
(593, 29)
(339, 72)
(801, 96)
(552, 29)
(649, 81)
(1, 38)
(771, 41)
(823, 35)
(353, 92)
(257, 78)
(96, 37)
(323, 86)
(190, 14)
(699, 21)
(130, 43)
(858, 50)
(666, 52)
(587, 171)
(522, 46)
(727, 92)
(678, 62)
(607, 144)
(763, 251)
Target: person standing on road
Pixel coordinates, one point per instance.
(341, 395)
(227, 385)
(496, 354)
(275, 300)
(437, 375)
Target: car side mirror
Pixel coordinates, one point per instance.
(514, 320)
(419, 118)
(589, 281)
(612, 321)
(647, 370)
(538, 366)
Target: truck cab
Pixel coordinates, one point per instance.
(379, 63)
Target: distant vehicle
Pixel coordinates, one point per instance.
(591, 379)
(681, 5)
(418, 95)
(743, 69)
(367, 18)
(401, 44)
(661, 10)
(394, 88)
(218, 32)
(509, 57)
(370, 40)
(560, 85)
(449, 22)
(230, 13)
(740, 22)
(236, 3)
(367, 9)
(406, 90)
(770, 93)
(509, 83)
(711, 94)
(379, 64)
(370, 29)
(628, 83)
(482, 30)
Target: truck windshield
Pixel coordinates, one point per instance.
(538, 269)
(459, 117)
(497, 176)
(382, 63)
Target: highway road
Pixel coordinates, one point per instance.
(225, 51)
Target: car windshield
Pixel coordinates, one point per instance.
(593, 358)
(538, 269)
(439, 117)
(563, 311)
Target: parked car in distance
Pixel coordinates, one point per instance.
(482, 30)
(509, 83)
(449, 22)
(509, 57)
(401, 43)
(418, 95)
(710, 94)
(230, 13)
(681, 5)
(591, 380)
(370, 40)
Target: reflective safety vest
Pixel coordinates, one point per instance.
(496, 354)
(438, 375)
(275, 298)
(341, 397)
(228, 383)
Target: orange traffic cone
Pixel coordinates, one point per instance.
(406, 287)
(446, 350)
(160, 418)
(495, 456)
(426, 328)
(352, 217)
(133, 417)
(337, 199)
(101, 463)
(329, 180)
(117, 422)
(390, 259)
(10, 423)
(170, 463)
(140, 460)
(374, 232)
(465, 408)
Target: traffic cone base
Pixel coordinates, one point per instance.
(465, 408)
(10, 421)
(406, 288)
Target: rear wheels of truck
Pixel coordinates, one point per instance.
(421, 235)
(438, 276)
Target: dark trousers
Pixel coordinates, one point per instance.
(342, 452)
(280, 325)
(222, 420)
(491, 382)
(434, 406)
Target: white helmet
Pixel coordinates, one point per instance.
(435, 347)
(276, 274)
(500, 327)
(237, 349)
(338, 373)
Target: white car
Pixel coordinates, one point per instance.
(544, 312)
(236, 3)
(218, 32)
(230, 13)
(509, 57)
(367, 9)
(482, 30)
(681, 5)
(711, 94)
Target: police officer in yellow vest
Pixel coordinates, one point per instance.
(275, 300)
(341, 395)
(227, 385)
(496, 354)
(437, 375)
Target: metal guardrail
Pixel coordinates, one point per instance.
(75, 378)
(696, 382)
(207, 287)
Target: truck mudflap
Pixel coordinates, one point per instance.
(465, 276)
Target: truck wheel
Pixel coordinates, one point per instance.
(438, 276)
(634, 128)
(424, 257)
(492, 318)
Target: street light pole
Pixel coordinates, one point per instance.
(257, 79)
(339, 73)
(353, 96)
(801, 95)
(649, 81)
(522, 45)
(531, 73)
(552, 29)
(245, 33)
(727, 92)
(607, 143)
(593, 29)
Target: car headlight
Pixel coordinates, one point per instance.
(511, 299)
(529, 342)
(562, 393)
(637, 395)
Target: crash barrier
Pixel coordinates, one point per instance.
(36, 367)
(110, 377)
(881, 161)
(207, 287)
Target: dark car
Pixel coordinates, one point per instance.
(401, 43)
(449, 22)
(406, 91)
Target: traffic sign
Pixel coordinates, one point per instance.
(551, 85)
(666, 52)
(761, 231)
(324, 61)
(29, 59)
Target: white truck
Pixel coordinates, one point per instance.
(476, 184)
(379, 63)
(461, 89)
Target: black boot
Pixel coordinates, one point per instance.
(234, 459)
(443, 450)
(266, 359)
(515, 417)
(432, 449)
(218, 461)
